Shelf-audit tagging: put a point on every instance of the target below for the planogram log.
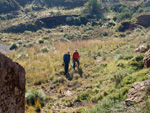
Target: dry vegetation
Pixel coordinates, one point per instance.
(94, 81)
(109, 64)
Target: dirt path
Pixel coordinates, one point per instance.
(4, 48)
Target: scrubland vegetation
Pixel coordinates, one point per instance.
(109, 64)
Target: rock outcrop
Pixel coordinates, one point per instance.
(146, 60)
(142, 49)
(144, 20)
(12, 86)
(47, 22)
(137, 92)
(128, 26)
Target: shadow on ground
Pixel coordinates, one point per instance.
(69, 76)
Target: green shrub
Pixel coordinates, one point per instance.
(129, 80)
(92, 7)
(96, 98)
(115, 18)
(107, 106)
(121, 28)
(84, 96)
(122, 35)
(121, 64)
(22, 55)
(105, 93)
(13, 46)
(47, 49)
(40, 41)
(118, 77)
(32, 96)
(123, 16)
(45, 38)
(136, 62)
(128, 57)
(105, 33)
(81, 110)
(39, 82)
(58, 80)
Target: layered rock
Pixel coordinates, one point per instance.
(12, 86)
(146, 60)
(144, 20)
(137, 92)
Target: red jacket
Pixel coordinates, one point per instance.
(75, 55)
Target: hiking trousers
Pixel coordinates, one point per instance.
(66, 67)
(74, 62)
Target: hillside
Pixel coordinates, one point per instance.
(8, 6)
(108, 39)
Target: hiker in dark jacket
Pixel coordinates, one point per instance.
(66, 59)
(75, 58)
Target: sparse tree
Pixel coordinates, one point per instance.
(92, 7)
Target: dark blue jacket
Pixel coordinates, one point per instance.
(66, 58)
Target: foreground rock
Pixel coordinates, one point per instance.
(146, 60)
(137, 92)
(12, 86)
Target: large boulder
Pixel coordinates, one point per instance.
(144, 20)
(137, 92)
(146, 60)
(12, 86)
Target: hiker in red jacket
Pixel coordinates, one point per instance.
(75, 58)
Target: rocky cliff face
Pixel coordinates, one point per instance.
(12, 86)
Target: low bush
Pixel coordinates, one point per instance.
(136, 62)
(105, 33)
(121, 28)
(92, 7)
(84, 96)
(40, 41)
(118, 77)
(46, 49)
(122, 35)
(107, 106)
(13, 46)
(22, 55)
(33, 95)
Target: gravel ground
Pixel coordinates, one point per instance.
(4, 48)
